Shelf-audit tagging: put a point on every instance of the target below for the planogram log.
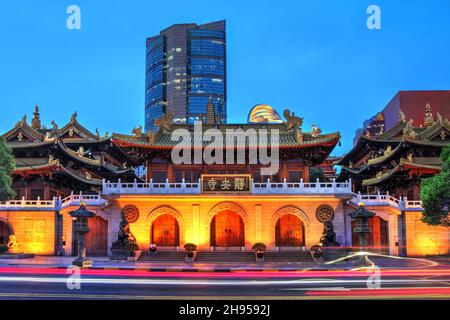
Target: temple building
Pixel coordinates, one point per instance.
(399, 158)
(55, 162)
(192, 193)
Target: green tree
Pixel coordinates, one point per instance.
(7, 165)
(435, 194)
(316, 173)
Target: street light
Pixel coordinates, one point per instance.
(81, 229)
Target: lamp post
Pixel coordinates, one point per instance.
(81, 228)
(362, 228)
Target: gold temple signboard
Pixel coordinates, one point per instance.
(226, 183)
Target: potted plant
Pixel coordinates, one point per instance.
(3, 248)
(191, 250)
(133, 251)
(259, 249)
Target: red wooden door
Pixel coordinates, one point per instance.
(289, 231)
(165, 231)
(227, 230)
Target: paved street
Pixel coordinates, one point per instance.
(406, 278)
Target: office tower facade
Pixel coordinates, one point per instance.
(185, 68)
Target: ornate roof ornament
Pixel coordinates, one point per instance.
(20, 136)
(315, 131)
(151, 137)
(410, 157)
(440, 119)
(388, 151)
(55, 127)
(73, 118)
(88, 175)
(428, 120)
(292, 120)
(402, 117)
(408, 131)
(24, 120)
(443, 135)
(165, 122)
(80, 151)
(71, 132)
(36, 122)
(137, 131)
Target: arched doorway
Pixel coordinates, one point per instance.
(5, 232)
(165, 231)
(378, 238)
(227, 230)
(289, 231)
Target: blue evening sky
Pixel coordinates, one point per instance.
(316, 58)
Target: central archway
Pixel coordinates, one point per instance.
(289, 231)
(165, 227)
(227, 230)
(165, 231)
(5, 232)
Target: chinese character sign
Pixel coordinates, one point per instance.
(227, 183)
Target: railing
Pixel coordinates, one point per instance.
(76, 199)
(55, 204)
(23, 203)
(151, 188)
(387, 200)
(301, 187)
(257, 187)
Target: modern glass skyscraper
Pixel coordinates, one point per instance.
(185, 66)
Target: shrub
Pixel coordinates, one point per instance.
(3, 248)
(131, 247)
(190, 247)
(259, 246)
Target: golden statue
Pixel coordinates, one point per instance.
(292, 120)
(13, 244)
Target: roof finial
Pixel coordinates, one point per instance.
(36, 122)
(74, 117)
(428, 120)
(210, 112)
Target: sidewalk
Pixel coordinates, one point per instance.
(106, 264)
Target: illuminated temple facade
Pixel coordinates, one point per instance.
(218, 207)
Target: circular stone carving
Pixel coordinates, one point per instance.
(130, 214)
(324, 213)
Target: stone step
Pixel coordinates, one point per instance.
(287, 257)
(163, 256)
(214, 256)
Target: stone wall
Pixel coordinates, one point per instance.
(423, 239)
(34, 230)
